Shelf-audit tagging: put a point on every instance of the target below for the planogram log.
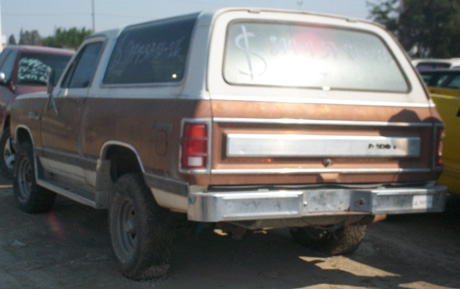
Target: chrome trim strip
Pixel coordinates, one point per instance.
(320, 101)
(315, 171)
(68, 158)
(66, 193)
(140, 85)
(295, 145)
(320, 122)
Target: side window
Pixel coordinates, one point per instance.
(454, 83)
(3, 56)
(33, 68)
(82, 70)
(154, 52)
(441, 80)
(427, 78)
(8, 65)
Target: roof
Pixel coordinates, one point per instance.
(40, 49)
(207, 16)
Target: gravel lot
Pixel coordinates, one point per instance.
(70, 248)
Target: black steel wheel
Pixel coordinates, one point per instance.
(29, 197)
(331, 240)
(7, 156)
(141, 231)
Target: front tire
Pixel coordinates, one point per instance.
(338, 241)
(29, 197)
(7, 156)
(141, 231)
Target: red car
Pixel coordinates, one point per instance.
(24, 69)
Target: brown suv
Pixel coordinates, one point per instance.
(23, 69)
(252, 117)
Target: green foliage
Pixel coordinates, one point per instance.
(63, 38)
(385, 13)
(426, 28)
(12, 40)
(30, 38)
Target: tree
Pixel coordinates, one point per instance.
(30, 38)
(425, 28)
(385, 13)
(63, 38)
(12, 40)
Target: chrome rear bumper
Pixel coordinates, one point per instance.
(268, 204)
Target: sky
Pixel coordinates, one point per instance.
(48, 15)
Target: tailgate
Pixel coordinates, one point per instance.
(287, 143)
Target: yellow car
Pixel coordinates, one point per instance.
(448, 105)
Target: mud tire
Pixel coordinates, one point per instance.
(141, 231)
(340, 241)
(29, 197)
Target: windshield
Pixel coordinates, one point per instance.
(294, 55)
(33, 68)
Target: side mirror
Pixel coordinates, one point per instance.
(50, 87)
(50, 83)
(3, 78)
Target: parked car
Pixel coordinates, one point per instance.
(443, 78)
(257, 118)
(448, 105)
(23, 69)
(444, 88)
(436, 63)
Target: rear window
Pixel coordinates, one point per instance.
(33, 68)
(294, 55)
(154, 52)
(432, 65)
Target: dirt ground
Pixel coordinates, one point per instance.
(70, 248)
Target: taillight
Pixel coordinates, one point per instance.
(194, 146)
(438, 153)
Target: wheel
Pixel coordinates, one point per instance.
(7, 156)
(332, 241)
(29, 197)
(141, 231)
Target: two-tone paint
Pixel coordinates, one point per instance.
(274, 152)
